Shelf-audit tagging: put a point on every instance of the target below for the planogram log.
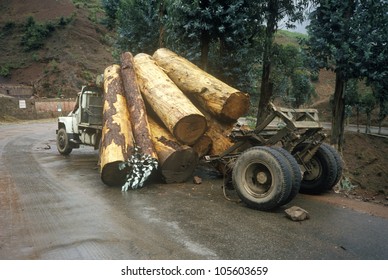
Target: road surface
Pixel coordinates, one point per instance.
(56, 207)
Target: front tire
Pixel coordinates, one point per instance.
(63, 145)
(261, 178)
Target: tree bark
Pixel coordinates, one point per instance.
(137, 111)
(117, 139)
(176, 111)
(176, 162)
(223, 101)
(266, 88)
(338, 117)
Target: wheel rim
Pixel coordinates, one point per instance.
(315, 172)
(61, 141)
(258, 180)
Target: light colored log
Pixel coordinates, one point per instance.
(137, 111)
(176, 162)
(220, 99)
(219, 133)
(203, 145)
(176, 111)
(117, 138)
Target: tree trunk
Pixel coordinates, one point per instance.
(176, 162)
(338, 117)
(137, 111)
(205, 42)
(266, 88)
(223, 101)
(176, 111)
(117, 140)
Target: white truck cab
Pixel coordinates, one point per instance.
(84, 124)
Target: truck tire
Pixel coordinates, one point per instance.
(261, 178)
(339, 163)
(323, 171)
(63, 145)
(296, 173)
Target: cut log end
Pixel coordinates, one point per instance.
(179, 166)
(190, 128)
(236, 105)
(111, 175)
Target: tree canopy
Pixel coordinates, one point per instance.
(349, 37)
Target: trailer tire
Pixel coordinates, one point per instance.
(63, 145)
(261, 178)
(323, 173)
(339, 163)
(296, 173)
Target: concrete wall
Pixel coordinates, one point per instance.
(35, 108)
(21, 91)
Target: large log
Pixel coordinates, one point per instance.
(203, 145)
(137, 111)
(219, 133)
(176, 162)
(117, 138)
(175, 110)
(222, 100)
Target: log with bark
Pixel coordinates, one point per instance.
(176, 111)
(137, 110)
(117, 139)
(223, 101)
(176, 162)
(144, 160)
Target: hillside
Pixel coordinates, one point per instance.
(73, 53)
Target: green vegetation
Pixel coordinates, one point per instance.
(350, 37)
(35, 34)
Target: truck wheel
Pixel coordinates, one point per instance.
(296, 173)
(63, 144)
(323, 171)
(338, 161)
(261, 178)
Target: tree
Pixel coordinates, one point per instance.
(274, 11)
(139, 25)
(368, 103)
(290, 77)
(221, 36)
(352, 100)
(381, 96)
(111, 7)
(349, 37)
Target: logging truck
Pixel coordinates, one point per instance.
(83, 125)
(267, 166)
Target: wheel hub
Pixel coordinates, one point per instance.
(261, 177)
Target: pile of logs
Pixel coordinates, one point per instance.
(165, 109)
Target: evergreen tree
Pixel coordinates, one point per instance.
(274, 12)
(139, 25)
(349, 37)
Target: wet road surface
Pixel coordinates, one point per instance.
(56, 207)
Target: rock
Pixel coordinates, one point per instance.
(296, 213)
(197, 180)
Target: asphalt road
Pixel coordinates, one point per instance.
(56, 207)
